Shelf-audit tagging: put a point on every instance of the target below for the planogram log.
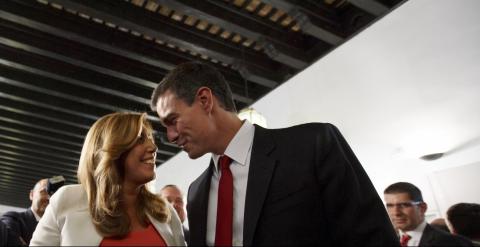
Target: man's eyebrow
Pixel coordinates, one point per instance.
(167, 118)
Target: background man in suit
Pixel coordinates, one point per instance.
(406, 209)
(464, 219)
(23, 224)
(440, 224)
(175, 197)
(295, 186)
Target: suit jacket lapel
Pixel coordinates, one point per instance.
(259, 175)
(30, 223)
(427, 236)
(198, 201)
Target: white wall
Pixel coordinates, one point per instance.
(4, 209)
(407, 86)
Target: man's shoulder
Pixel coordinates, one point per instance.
(308, 133)
(442, 238)
(306, 129)
(14, 214)
(306, 126)
(69, 197)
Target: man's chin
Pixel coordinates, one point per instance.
(193, 155)
(404, 228)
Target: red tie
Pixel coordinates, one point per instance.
(404, 240)
(223, 233)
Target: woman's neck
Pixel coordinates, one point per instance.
(130, 200)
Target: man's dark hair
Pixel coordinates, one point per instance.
(403, 187)
(465, 219)
(187, 78)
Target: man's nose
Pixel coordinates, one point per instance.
(396, 210)
(172, 134)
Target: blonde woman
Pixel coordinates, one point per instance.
(112, 206)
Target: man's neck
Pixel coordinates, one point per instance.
(227, 127)
(37, 215)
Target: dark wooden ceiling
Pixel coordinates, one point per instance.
(65, 63)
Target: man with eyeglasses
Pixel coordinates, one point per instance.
(406, 209)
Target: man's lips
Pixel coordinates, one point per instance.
(181, 144)
(399, 221)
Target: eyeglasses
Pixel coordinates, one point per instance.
(402, 205)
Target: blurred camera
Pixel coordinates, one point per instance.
(54, 183)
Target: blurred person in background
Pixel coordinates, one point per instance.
(464, 219)
(406, 208)
(22, 224)
(174, 196)
(112, 205)
(440, 224)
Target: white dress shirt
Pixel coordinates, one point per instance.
(416, 234)
(239, 150)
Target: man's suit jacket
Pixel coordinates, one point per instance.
(435, 237)
(305, 187)
(67, 221)
(21, 224)
(7, 238)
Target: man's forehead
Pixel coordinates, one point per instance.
(171, 190)
(42, 184)
(166, 100)
(397, 196)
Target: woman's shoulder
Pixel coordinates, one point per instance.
(71, 190)
(69, 197)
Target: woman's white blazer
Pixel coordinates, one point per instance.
(67, 221)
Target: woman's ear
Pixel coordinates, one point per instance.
(204, 97)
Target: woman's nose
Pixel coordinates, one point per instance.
(152, 147)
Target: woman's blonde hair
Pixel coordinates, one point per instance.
(101, 173)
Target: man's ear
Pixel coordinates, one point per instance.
(423, 207)
(31, 195)
(204, 97)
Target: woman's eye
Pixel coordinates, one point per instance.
(141, 138)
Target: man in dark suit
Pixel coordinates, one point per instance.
(406, 209)
(295, 186)
(23, 224)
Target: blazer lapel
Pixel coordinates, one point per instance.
(164, 231)
(259, 175)
(30, 222)
(197, 207)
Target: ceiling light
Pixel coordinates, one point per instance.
(432, 156)
(253, 117)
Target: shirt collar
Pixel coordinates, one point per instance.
(239, 146)
(37, 217)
